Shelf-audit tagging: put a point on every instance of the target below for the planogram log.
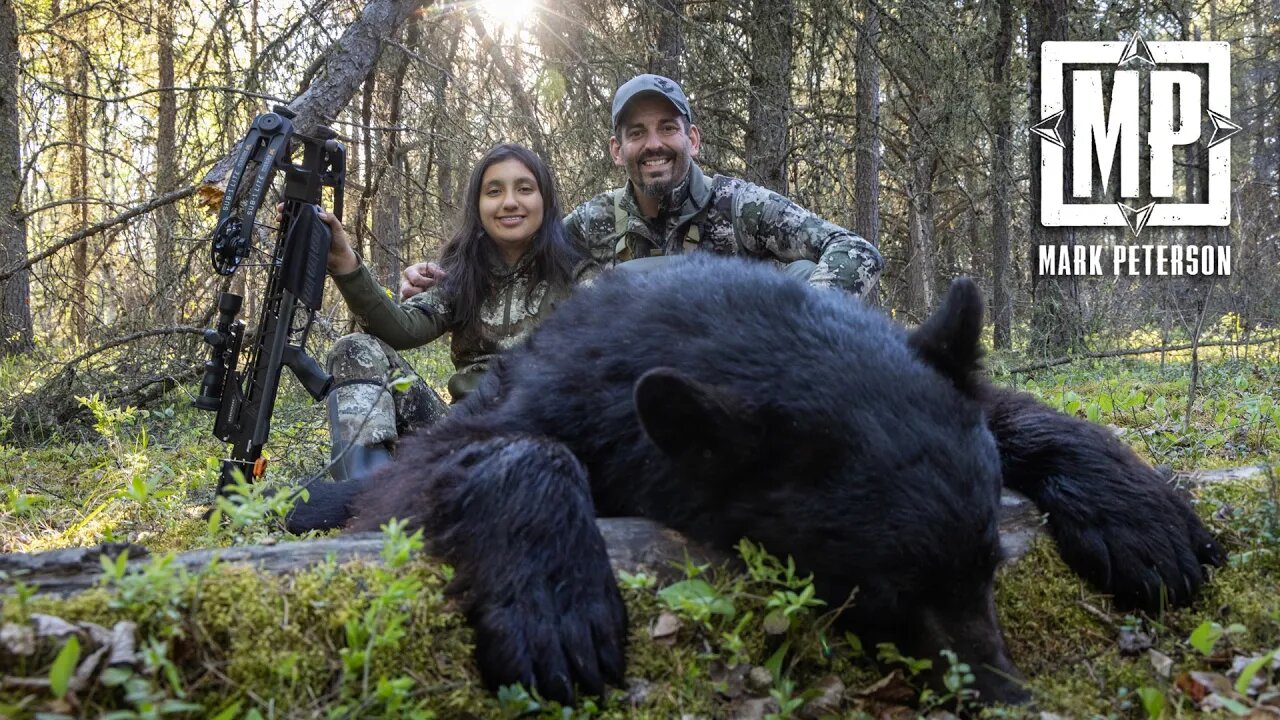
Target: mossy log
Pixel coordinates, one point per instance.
(635, 544)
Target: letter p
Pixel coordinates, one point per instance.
(1163, 136)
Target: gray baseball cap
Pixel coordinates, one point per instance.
(646, 84)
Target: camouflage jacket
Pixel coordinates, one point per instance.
(512, 308)
(728, 216)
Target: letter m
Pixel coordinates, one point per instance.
(1092, 127)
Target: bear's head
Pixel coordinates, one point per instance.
(860, 451)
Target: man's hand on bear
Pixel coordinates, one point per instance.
(419, 277)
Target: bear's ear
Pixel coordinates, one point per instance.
(683, 416)
(949, 340)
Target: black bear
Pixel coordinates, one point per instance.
(725, 400)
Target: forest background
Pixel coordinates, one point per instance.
(906, 122)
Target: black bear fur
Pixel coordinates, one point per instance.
(725, 400)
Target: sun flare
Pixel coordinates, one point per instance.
(509, 13)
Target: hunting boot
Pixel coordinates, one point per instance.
(351, 456)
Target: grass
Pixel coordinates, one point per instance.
(382, 641)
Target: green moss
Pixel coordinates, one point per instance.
(1042, 608)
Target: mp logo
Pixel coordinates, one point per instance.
(1186, 100)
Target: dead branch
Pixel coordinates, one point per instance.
(1137, 351)
(92, 230)
(345, 65)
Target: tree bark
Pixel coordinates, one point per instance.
(167, 268)
(77, 78)
(922, 158)
(444, 156)
(1056, 322)
(670, 39)
(386, 245)
(1001, 183)
(634, 544)
(866, 138)
(15, 294)
(769, 105)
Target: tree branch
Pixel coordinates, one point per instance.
(92, 230)
(1065, 359)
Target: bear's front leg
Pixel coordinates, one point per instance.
(1116, 521)
(513, 515)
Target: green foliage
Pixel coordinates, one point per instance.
(638, 581)
(697, 600)
(64, 666)
(888, 653)
(158, 591)
(380, 628)
(1207, 635)
(245, 512)
(1152, 702)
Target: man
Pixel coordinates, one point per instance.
(668, 206)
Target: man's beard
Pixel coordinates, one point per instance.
(659, 189)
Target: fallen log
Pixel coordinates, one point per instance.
(634, 545)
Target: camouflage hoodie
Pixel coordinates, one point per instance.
(728, 216)
(512, 308)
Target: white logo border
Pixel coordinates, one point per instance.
(1055, 212)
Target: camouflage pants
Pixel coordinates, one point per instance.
(368, 410)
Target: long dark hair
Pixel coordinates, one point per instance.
(469, 254)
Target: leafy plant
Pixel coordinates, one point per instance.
(382, 626)
(64, 666)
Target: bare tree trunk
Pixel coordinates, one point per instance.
(670, 39)
(920, 215)
(15, 304)
(78, 133)
(1056, 322)
(1001, 182)
(166, 171)
(634, 544)
(445, 157)
(386, 245)
(770, 103)
(866, 139)
(366, 166)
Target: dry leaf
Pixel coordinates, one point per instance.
(664, 628)
(1198, 685)
(759, 679)
(751, 708)
(49, 626)
(891, 689)
(830, 696)
(1133, 642)
(1162, 663)
(123, 644)
(18, 640)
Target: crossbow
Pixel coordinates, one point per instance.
(243, 396)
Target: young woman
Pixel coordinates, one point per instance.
(508, 264)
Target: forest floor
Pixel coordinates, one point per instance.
(381, 640)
